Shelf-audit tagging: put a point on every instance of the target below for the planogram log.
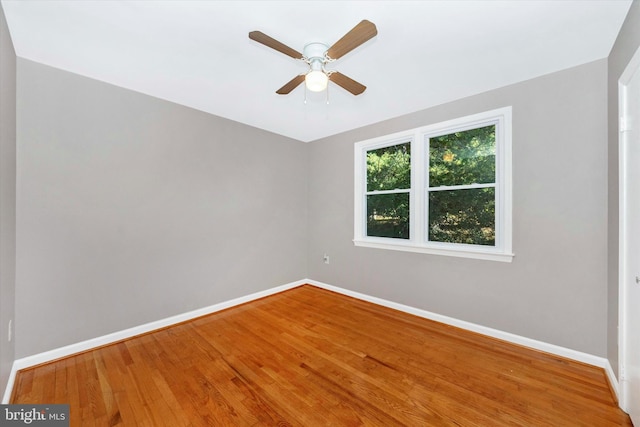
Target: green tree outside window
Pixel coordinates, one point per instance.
(389, 172)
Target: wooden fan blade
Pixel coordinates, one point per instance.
(293, 83)
(347, 83)
(359, 34)
(261, 37)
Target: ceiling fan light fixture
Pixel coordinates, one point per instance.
(317, 55)
(316, 80)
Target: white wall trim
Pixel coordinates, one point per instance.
(9, 388)
(568, 353)
(623, 262)
(613, 381)
(68, 350)
(58, 353)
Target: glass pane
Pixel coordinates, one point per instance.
(460, 158)
(389, 168)
(463, 216)
(388, 215)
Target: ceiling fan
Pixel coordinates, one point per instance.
(317, 55)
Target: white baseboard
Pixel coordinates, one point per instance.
(68, 350)
(587, 358)
(613, 382)
(51, 355)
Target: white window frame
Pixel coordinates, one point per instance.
(418, 199)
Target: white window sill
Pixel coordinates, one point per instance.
(407, 246)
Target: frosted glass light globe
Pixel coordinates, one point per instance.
(316, 81)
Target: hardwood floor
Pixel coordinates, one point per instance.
(310, 357)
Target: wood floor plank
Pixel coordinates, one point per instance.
(311, 357)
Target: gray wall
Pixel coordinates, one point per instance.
(131, 209)
(555, 288)
(7, 197)
(625, 46)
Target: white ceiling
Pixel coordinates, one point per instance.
(197, 53)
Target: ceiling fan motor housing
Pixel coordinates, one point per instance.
(315, 51)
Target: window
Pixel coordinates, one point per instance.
(388, 188)
(442, 189)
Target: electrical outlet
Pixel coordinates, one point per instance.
(326, 259)
(10, 332)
